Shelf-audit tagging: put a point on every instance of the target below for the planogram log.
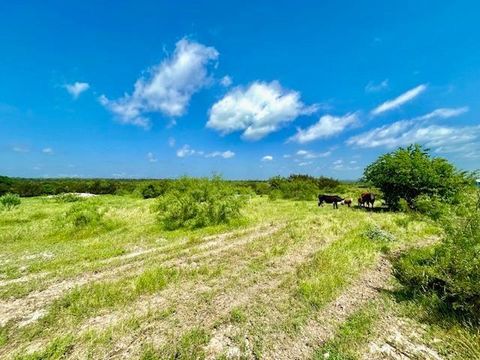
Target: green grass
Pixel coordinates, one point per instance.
(38, 239)
(320, 280)
(351, 336)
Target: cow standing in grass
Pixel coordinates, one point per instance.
(329, 199)
(366, 200)
(347, 201)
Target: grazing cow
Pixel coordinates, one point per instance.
(360, 202)
(367, 200)
(329, 199)
(347, 201)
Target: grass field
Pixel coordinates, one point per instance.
(288, 280)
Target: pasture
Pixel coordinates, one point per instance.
(286, 280)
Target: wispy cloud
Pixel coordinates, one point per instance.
(267, 158)
(419, 130)
(77, 88)
(226, 81)
(340, 165)
(258, 110)
(224, 154)
(400, 100)
(20, 149)
(151, 157)
(327, 126)
(443, 113)
(307, 154)
(185, 151)
(376, 87)
(48, 151)
(168, 87)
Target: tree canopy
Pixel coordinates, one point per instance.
(409, 172)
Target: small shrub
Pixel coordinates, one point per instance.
(10, 201)
(83, 214)
(376, 234)
(195, 203)
(152, 191)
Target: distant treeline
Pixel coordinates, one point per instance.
(294, 186)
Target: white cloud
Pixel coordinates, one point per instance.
(225, 154)
(171, 141)
(20, 149)
(267, 158)
(185, 151)
(400, 100)
(305, 163)
(168, 87)
(444, 113)
(226, 81)
(77, 88)
(376, 87)
(327, 126)
(306, 154)
(258, 110)
(151, 157)
(48, 151)
(405, 132)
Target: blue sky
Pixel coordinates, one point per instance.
(248, 90)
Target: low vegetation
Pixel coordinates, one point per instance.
(207, 268)
(195, 203)
(9, 201)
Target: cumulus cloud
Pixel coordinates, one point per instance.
(167, 87)
(257, 110)
(418, 130)
(151, 157)
(77, 88)
(376, 87)
(327, 126)
(48, 151)
(400, 100)
(224, 154)
(267, 158)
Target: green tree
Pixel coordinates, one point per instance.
(409, 172)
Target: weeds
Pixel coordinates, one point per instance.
(10, 201)
(375, 233)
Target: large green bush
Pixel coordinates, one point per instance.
(194, 203)
(10, 201)
(450, 270)
(410, 172)
(300, 187)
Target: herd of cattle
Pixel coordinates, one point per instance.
(366, 200)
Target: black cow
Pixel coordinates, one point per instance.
(366, 199)
(329, 199)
